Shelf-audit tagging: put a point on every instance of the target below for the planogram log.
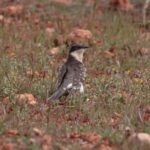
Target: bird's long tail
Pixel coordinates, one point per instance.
(57, 94)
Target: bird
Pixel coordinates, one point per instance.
(72, 74)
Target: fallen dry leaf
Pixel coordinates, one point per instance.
(46, 142)
(145, 36)
(12, 132)
(47, 138)
(29, 73)
(124, 94)
(5, 100)
(98, 42)
(32, 141)
(146, 117)
(146, 113)
(27, 97)
(13, 10)
(38, 132)
(8, 146)
(87, 145)
(90, 137)
(147, 109)
(12, 54)
(104, 147)
(39, 74)
(144, 51)
(139, 140)
(124, 5)
(54, 50)
(7, 21)
(74, 135)
(46, 147)
(79, 34)
(90, 2)
(111, 53)
(143, 137)
(1, 18)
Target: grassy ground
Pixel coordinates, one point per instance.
(117, 85)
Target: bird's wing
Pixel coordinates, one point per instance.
(61, 75)
(57, 94)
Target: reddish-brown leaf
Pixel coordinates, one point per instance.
(13, 9)
(27, 97)
(8, 146)
(54, 50)
(144, 51)
(1, 18)
(110, 53)
(124, 5)
(12, 132)
(140, 139)
(38, 132)
(90, 137)
(80, 34)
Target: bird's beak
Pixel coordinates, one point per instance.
(85, 47)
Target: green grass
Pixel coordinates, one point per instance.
(26, 48)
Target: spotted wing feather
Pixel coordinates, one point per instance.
(61, 75)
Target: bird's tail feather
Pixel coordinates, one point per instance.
(57, 94)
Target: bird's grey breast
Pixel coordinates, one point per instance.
(79, 72)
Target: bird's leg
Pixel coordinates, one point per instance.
(71, 93)
(65, 97)
(74, 94)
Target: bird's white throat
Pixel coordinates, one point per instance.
(78, 55)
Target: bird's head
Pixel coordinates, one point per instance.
(77, 51)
